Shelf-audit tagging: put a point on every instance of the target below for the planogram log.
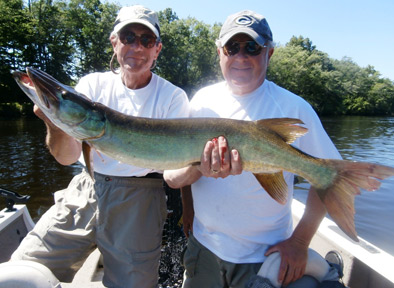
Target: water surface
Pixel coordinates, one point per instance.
(368, 139)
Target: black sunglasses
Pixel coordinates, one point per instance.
(251, 48)
(129, 37)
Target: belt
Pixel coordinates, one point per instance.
(151, 176)
(147, 176)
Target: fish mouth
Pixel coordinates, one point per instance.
(36, 83)
(47, 87)
(26, 84)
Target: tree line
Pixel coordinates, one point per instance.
(69, 39)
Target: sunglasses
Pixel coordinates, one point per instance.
(129, 37)
(251, 48)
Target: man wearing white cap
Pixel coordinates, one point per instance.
(236, 224)
(124, 210)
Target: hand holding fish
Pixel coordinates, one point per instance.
(63, 147)
(218, 161)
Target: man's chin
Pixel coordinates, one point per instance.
(243, 86)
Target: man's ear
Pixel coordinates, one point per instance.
(159, 46)
(270, 52)
(114, 41)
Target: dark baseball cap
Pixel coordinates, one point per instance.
(245, 22)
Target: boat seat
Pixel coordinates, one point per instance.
(26, 274)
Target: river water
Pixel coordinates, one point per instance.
(27, 167)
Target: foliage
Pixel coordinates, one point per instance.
(70, 38)
(67, 39)
(15, 35)
(188, 58)
(13, 110)
(307, 72)
(332, 87)
(91, 23)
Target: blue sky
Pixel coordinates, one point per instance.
(360, 29)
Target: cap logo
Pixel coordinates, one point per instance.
(244, 20)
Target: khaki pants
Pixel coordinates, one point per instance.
(123, 216)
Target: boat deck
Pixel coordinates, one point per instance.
(365, 265)
(90, 274)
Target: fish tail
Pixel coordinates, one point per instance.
(350, 177)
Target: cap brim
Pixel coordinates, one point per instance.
(241, 30)
(119, 26)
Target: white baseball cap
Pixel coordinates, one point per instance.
(137, 14)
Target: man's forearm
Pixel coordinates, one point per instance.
(64, 148)
(182, 177)
(310, 221)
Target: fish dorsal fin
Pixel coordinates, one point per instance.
(87, 156)
(274, 184)
(286, 128)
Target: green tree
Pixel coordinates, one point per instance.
(332, 87)
(70, 38)
(365, 93)
(188, 58)
(381, 96)
(52, 46)
(307, 72)
(91, 23)
(16, 32)
(304, 43)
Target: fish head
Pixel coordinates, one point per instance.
(44, 90)
(69, 110)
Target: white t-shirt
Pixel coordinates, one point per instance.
(159, 99)
(234, 217)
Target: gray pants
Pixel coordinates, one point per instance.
(204, 269)
(123, 216)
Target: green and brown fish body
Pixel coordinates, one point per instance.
(162, 144)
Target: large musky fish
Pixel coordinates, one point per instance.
(264, 145)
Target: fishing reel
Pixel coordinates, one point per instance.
(13, 198)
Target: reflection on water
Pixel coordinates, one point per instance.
(28, 168)
(363, 138)
(368, 139)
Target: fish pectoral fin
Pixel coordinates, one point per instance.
(87, 156)
(274, 184)
(286, 128)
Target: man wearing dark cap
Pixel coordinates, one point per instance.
(124, 209)
(236, 224)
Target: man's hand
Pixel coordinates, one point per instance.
(50, 126)
(188, 210)
(218, 161)
(40, 114)
(64, 148)
(294, 255)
